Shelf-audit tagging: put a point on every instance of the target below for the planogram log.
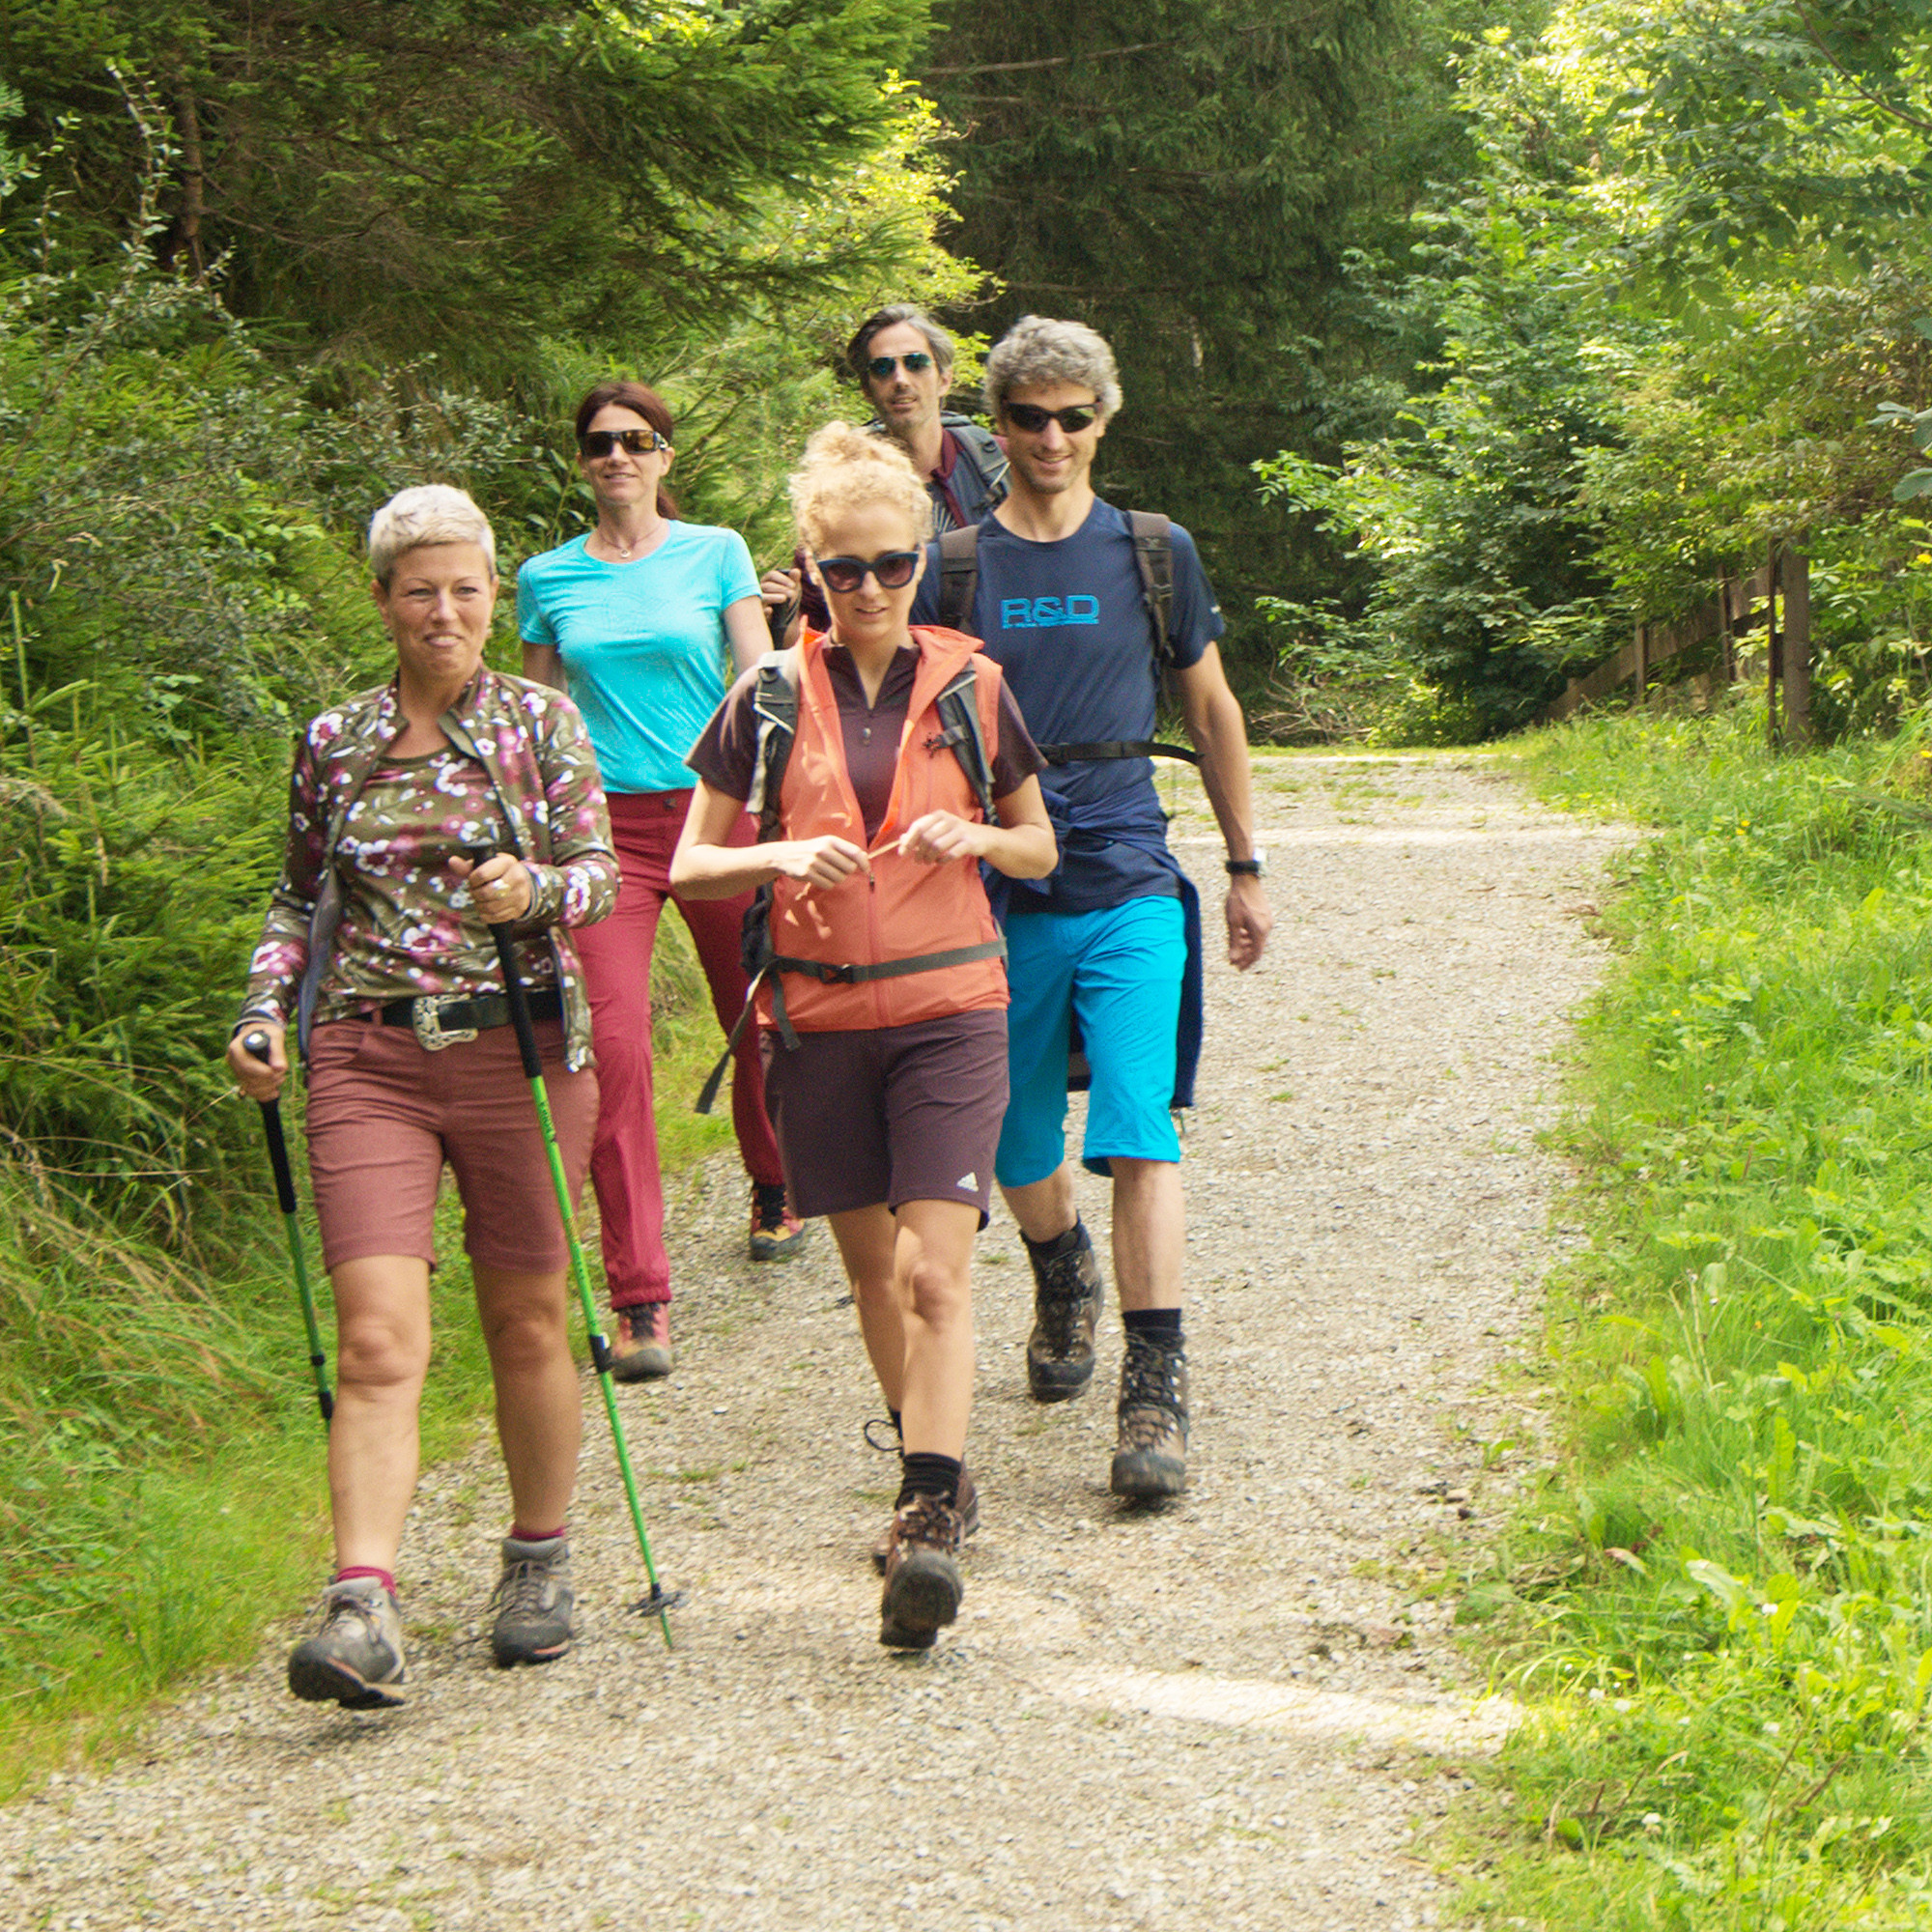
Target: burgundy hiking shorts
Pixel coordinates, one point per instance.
(891, 1114)
(384, 1115)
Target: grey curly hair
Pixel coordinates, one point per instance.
(1038, 350)
(428, 513)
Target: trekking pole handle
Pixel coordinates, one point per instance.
(513, 986)
(256, 1046)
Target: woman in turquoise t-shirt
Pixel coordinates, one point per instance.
(635, 621)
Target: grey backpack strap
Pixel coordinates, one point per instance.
(958, 708)
(958, 576)
(1154, 555)
(775, 704)
(981, 449)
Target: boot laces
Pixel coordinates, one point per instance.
(929, 1522)
(524, 1588)
(1150, 1377)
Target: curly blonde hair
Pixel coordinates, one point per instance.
(846, 470)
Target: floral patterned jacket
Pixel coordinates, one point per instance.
(530, 740)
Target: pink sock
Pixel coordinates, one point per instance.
(359, 1569)
(537, 1535)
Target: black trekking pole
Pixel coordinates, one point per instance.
(657, 1602)
(256, 1045)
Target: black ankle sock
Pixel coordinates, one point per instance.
(1154, 1325)
(1062, 1245)
(928, 1475)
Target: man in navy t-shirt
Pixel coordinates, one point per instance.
(1104, 942)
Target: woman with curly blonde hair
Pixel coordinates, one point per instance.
(883, 1008)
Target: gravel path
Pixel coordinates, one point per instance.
(1229, 1714)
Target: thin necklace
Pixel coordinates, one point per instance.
(622, 549)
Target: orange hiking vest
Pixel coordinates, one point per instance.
(905, 911)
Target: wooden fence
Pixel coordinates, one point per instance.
(1775, 599)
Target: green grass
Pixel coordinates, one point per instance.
(162, 1484)
(1719, 1605)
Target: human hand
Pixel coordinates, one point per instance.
(943, 836)
(259, 1076)
(826, 861)
(779, 588)
(500, 887)
(1249, 920)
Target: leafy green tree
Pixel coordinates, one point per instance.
(470, 176)
(1188, 177)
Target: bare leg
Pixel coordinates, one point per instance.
(1044, 1208)
(866, 1237)
(539, 1403)
(382, 1345)
(1150, 1232)
(934, 1275)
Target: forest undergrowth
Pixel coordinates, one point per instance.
(1716, 1604)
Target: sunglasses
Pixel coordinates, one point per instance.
(596, 442)
(894, 569)
(882, 366)
(1032, 419)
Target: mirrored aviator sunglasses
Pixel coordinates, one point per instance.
(597, 443)
(882, 366)
(894, 569)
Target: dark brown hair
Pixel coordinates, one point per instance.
(639, 401)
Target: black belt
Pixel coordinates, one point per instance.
(441, 1013)
(1146, 748)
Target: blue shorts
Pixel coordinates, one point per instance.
(1120, 969)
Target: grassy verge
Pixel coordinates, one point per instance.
(1720, 1602)
(162, 1485)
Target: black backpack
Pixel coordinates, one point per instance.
(1153, 556)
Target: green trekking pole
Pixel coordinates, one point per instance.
(656, 1604)
(256, 1045)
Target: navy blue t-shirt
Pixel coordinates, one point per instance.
(1067, 623)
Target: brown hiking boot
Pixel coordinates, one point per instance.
(640, 1351)
(922, 1582)
(1067, 1297)
(1152, 1459)
(969, 1519)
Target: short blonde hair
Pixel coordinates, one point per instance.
(429, 513)
(846, 470)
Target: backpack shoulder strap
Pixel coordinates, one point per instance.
(958, 708)
(958, 576)
(983, 451)
(775, 705)
(1154, 556)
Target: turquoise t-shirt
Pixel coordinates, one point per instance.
(643, 644)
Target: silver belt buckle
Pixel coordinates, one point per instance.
(426, 1016)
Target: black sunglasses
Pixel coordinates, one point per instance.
(894, 569)
(1032, 419)
(882, 366)
(595, 442)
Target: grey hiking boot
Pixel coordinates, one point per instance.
(1067, 1295)
(924, 1586)
(1152, 1459)
(357, 1656)
(533, 1601)
(969, 1521)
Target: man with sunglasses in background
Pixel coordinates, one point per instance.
(903, 360)
(1084, 607)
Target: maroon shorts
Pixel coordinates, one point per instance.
(384, 1115)
(891, 1114)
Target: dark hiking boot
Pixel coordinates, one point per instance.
(1152, 1459)
(776, 1233)
(922, 1582)
(1067, 1297)
(640, 1351)
(969, 1520)
(357, 1656)
(533, 1601)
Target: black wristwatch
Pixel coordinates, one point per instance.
(1248, 868)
